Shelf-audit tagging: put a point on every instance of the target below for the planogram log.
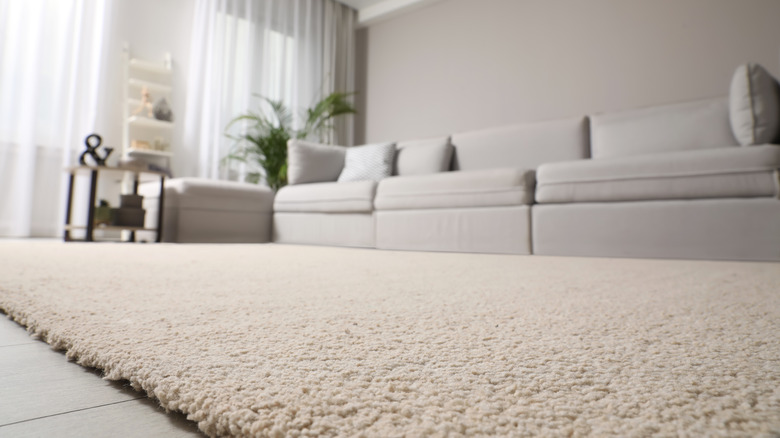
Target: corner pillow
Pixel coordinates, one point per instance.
(309, 162)
(372, 162)
(423, 157)
(754, 105)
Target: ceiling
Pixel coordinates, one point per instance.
(360, 4)
(373, 11)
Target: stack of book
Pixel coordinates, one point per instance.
(130, 212)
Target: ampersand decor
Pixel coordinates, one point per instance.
(92, 150)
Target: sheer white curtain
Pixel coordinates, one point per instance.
(51, 55)
(297, 51)
(339, 62)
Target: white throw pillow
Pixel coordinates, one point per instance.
(309, 162)
(423, 157)
(372, 162)
(754, 105)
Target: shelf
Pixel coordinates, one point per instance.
(74, 169)
(108, 228)
(149, 122)
(149, 152)
(152, 86)
(149, 66)
(156, 76)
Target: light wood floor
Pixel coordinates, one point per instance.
(44, 395)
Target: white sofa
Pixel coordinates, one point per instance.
(199, 210)
(667, 181)
(689, 180)
(325, 214)
(484, 203)
(315, 209)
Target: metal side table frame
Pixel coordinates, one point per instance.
(90, 226)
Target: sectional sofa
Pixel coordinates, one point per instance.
(470, 192)
(688, 180)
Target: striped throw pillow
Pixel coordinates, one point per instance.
(372, 162)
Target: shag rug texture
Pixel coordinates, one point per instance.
(272, 340)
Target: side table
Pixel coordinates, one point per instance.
(94, 172)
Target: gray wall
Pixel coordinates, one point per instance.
(465, 64)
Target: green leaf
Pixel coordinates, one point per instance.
(263, 136)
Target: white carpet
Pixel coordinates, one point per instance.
(305, 341)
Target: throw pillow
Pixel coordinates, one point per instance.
(423, 157)
(370, 162)
(754, 105)
(309, 162)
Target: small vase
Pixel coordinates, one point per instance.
(162, 111)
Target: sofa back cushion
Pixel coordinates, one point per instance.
(309, 162)
(754, 105)
(522, 146)
(701, 124)
(423, 157)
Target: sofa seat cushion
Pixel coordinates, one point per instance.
(479, 188)
(709, 173)
(330, 197)
(210, 194)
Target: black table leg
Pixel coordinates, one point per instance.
(135, 192)
(91, 211)
(69, 208)
(160, 203)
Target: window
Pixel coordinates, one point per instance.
(277, 66)
(258, 62)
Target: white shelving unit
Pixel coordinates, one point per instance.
(143, 136)
(148, 122)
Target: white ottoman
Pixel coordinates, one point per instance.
(211, 211)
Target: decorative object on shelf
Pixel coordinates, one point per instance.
(140, 144)
(146, 102)
(162, 111)
(148, 119)
(131, 201)
(127, 217)
(264, 140)
(92, 150)
(159, 144)
(103, 213)
(130, 212)
(133, 163)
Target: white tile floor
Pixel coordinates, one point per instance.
(44, 395)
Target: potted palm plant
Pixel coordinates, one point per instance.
(263, 141)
